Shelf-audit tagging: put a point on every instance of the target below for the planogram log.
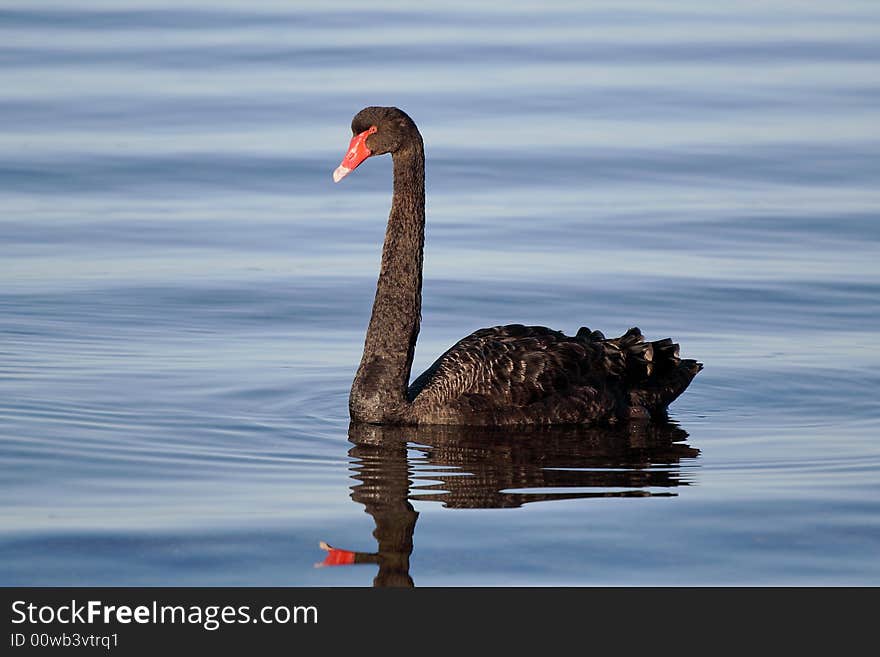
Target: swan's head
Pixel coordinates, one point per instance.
(376, 130)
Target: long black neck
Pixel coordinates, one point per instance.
(378, 393)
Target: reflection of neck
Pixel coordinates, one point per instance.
(378, 393)
(383, 490)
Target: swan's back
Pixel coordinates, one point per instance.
(534, 375)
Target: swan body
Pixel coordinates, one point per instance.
(505, 375)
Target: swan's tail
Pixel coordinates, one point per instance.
(655, 375)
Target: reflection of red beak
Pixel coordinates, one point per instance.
(335, 556)
(357, 153)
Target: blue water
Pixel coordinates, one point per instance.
(185, 291)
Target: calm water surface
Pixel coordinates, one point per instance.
(184, 290)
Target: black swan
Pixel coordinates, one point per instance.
(505, 375)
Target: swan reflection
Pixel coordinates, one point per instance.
(491, 468)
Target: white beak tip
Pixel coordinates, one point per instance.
(340, 173)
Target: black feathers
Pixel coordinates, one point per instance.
(534, 375)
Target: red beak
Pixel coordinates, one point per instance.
(357, 153)
(335, 556)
